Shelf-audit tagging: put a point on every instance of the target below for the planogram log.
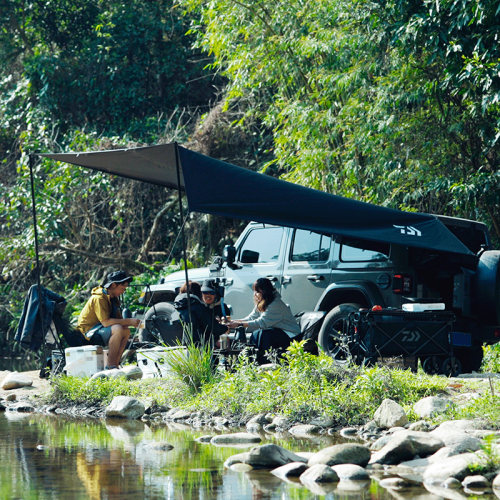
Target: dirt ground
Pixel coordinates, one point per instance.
(40, 385)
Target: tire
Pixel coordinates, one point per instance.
(162, 325)
(470, 357)
(333, 335)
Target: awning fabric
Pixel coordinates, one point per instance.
(216, 187)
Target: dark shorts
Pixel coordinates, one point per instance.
(99, 335)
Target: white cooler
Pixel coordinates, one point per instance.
(84, 361)
(153, 362)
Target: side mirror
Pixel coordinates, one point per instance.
(249, 257)
(229, 254)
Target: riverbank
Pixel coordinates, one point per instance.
(399, 447)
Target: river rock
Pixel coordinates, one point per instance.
(239, 458)
(349, 432)
(267, 456)
(459, 442)
(346, 453)
(476, 482)
(22, 407)
(420, 426)
(114, 373)
(15, 380)
(456, 466)
(304, 430)
(236, 438)
(464, 425)
(432, 405)
(350, 472)
(452, 484)
(496, 482)
(293, 469)
(319, 473)
(406, 445)
(381, 442)
(179, 415)
(11, 397)
(322, 422)
(394, 483)
(132, 372)
(204, 439)
(125, 407)
(281, 422)
(390, 414)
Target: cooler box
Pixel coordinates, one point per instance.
(153, 362)
(83, 361)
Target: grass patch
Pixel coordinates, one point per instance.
(491, 359)
(301, 386)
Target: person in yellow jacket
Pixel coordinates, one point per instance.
(101, 321)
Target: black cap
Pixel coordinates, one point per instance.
(208, 287)
(117, 277)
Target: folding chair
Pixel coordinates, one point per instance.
(42, 326)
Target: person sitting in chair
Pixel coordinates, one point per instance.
(271, 322)
(198, 325)
(213, 300)
(101, 321)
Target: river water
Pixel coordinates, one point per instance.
(54, 457)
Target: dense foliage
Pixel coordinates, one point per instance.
(396, 103)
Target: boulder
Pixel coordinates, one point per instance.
(390, 414)
(267, 456)
(236, 438)
(293, 469)
(179, 415)
(459, 442)
(350, 472)
(456, 466)
(476, 482)
(319, 473)
(125, 407)
(346, 453)
(304, 430)
(432, 405)
(406, 445)
(15, 380)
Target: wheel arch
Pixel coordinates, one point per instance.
(365, 294)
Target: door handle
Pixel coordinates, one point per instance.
(286, 279)
(315, 277)
(274, 279)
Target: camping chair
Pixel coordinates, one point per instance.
(42, 325)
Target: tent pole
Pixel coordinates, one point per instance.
(183, 237)
(35, 227)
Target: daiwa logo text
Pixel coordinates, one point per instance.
(409, 230)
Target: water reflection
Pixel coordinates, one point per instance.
(45, 457)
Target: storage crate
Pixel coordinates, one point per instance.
(153, 362)
(395, 332)
(83, 361)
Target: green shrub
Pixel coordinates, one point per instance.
(491, 360)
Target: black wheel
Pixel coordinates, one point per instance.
(432, 365)
(470, 357)
(451, 366)
(162, 324)
(333, 336)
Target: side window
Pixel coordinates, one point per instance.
(363, 251)
(265, 242)
(309, 246)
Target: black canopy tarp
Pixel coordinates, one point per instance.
(216, 187)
